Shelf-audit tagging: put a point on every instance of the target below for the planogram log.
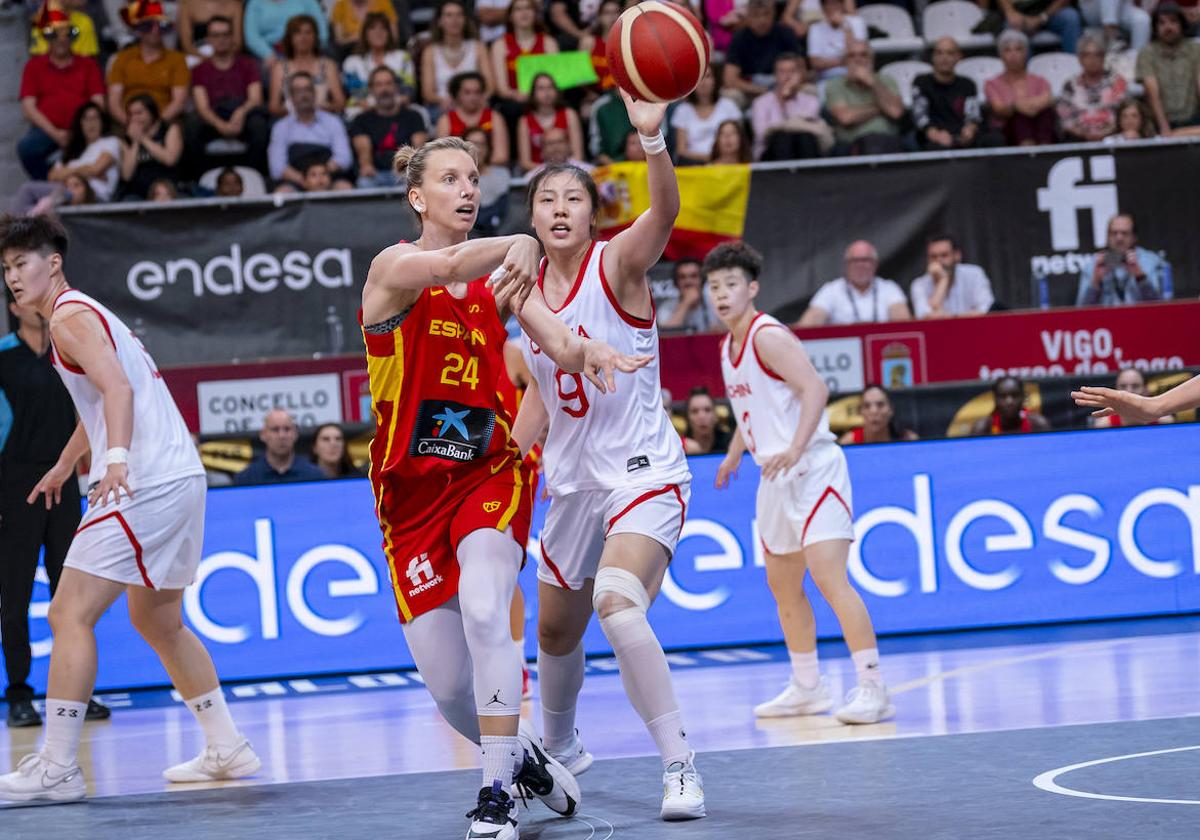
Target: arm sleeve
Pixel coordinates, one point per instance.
(823, 299)
(984, 298)
(277, 150)
(1088, 295)
(341, 144)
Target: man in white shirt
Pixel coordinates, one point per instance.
(829, 38)
(950, 287)
(860, 296)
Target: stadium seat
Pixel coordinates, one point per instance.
(1056, 68)
(979, 69)
(253, 185)
(898, 24)
(954, 18)
(903, 73)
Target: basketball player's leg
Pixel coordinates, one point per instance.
(439, 650)
(563, 616)
(516, 628)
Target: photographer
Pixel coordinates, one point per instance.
(1123, 273)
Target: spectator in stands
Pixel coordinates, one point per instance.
(278, 464)
(330, 454)
(493, 185)
(1087, 106)
(267, 20)
(865, 106)
(306, 135)
(556, 150)
(75, 191)
(525, 34)
(192, 19)
(377, 47)
(148, 67)
(546, 111)
(469, 109)
(53, 88)
(568, 24)
(950, 288)
(91, 153)
(704, 434)
(228, 95)
(1115, 15)
(1131, 381)
(633, 148)
(1009, 415)
(731, 146)
(348, 18)
(1123, 273)
(1134, 122)
(453, 49)
(787, 120)
(879, 420)
(750, 61)
(596, 44)
(692, 310)
(945, 108)
(162, 191)
(491, 17)
(1030, 16)
(83, 40)
(229, 183)
(608, 128)
(1169, 68)
(1022, 103)
(800, 15)
(723, 18)
(829, 38)
(152, 149)
(695, 120)
(302, 54)
(379, 132)
(860, 296)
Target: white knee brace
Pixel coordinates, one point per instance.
(612, 581)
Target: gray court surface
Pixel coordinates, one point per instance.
(960, 786)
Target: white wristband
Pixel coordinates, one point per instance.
(116, 455)
(653, 145)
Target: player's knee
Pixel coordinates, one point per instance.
(153, 630)
(830, 579)
(617, 590)
(556, 638)
(64, 616)
(484, 615)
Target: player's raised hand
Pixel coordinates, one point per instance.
(728, 470)
(600, 362)
(514, 279)
(777, 465)
(646, 117)
(1105, 402)
(115, 480)
(51, 485)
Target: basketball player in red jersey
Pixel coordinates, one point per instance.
(451, 495)
(615, 467)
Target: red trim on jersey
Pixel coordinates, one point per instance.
(557, 574)
(104, 321)
(829, 491)
(758, 358)
(646, 497)
(628, 318)
(1026, 423)
(575, 288)
(137, 547)
(749, 338)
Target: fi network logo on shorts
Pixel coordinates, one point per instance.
(1068, 195)
(420, 573)
(451, 431)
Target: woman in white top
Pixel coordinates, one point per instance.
(376, 48)
(696, 120)
(454, 48)
(92, 153)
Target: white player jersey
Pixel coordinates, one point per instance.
(766, 409)
(161, 449)
(605, 441)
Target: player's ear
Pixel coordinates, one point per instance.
(753, 285)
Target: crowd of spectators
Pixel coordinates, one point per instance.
(284, 88)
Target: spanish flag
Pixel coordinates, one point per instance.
(712, 204)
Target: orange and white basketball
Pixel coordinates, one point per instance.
(657, 51)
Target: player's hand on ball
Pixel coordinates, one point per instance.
(51, 485)
(601, 360)
(777, 465)
(646, 117)
(1109, 401)
(115, 480)
(728, 470)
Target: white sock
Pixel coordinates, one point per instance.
(806, 673)
(500, 754)
(519, 644)
(560, 679)
(866, 663)
(213, 716)
(669, 737)
(64, 728)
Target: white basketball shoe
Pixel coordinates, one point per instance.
(215, 764)
(575, 756)
(37, 777)
(795, 700)
(867, 703)
(683, 791)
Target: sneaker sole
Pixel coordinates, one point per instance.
(886, 714)
(240, 771)
(678, 813)
(794, 711)
(47, 795)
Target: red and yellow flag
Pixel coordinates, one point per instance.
(712, 204)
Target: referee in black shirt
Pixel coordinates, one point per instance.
(42, 423)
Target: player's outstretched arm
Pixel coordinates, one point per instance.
(80, 337)
(596, 360)
(531, 419)
(782, 353)
(405, 267)
(1108, 401)
(633, 251)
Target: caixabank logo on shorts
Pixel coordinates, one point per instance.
(451, 431)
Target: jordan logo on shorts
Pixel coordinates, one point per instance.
(491, 507)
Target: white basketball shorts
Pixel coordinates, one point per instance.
(797, 510)
(153, 539)
(577, 525)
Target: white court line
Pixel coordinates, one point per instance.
(1046, 780)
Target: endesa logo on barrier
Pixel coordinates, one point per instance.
(951, 534)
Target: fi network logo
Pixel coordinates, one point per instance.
(1066, 193)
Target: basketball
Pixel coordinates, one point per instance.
(657, 51)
